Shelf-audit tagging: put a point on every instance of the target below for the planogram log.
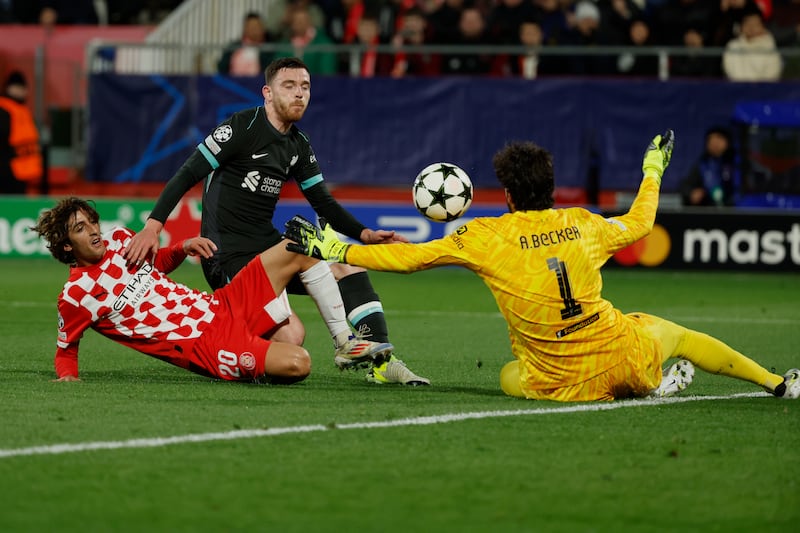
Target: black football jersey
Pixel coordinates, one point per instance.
(246, 162)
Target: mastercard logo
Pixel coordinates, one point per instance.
(650, 251)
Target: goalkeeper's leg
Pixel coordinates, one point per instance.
(509, 379)
(708, 354)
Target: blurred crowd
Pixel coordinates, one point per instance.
(738, 26)
(750, 31)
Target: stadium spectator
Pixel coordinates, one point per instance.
(138, 306)
(390, 15)
(342, 20)
(553, 19)
(618, 16)
(543, 267)
(675, 17)
(277, 21)
(505, 19)
(247, 160)
(527, 65)
(302, 34)
(693, 64)
(20, 153)
(714, 178)
(753, 56)
(532, 63)
(726, 20)
(414, 32)
(637, 64)
(588, 31)
(443, 22)
(471, 32)
(372, 63)
(245, 57)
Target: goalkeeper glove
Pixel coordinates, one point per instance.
(658, 154)
(319, 242)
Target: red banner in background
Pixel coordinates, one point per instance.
(65, 55)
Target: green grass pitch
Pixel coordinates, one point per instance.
(726, 464)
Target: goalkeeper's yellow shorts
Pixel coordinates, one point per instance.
(636, 375)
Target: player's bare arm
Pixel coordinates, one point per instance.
(381, 236)
(201, 246)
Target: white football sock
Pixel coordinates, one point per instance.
(323, 289)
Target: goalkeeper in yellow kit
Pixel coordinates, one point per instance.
(543, 267)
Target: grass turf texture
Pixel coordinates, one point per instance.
(716, 465)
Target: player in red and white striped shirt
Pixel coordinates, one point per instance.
(216, 335)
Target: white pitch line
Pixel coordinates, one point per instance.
(157, 442)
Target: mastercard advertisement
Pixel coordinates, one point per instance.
(729, 240)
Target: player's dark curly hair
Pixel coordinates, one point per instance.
(525, 170)
(53, 225)
(285, 62)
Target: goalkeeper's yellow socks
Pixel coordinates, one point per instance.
(716, 357)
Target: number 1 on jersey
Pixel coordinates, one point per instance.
(571, 307)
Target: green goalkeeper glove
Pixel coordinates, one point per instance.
(319, 242)
(658, 154)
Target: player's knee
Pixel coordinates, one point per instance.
(341, 270)
(509, 380)
(294, 366)
(298, 364)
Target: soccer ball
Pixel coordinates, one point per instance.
(442, 192)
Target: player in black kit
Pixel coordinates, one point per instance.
(246, 161)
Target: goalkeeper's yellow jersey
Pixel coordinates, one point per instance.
(543, 268)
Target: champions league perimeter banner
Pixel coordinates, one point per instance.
(744, 240)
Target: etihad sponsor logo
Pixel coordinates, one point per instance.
(742, 247)
(136, 289)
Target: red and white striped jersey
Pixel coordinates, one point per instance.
(139, 307)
